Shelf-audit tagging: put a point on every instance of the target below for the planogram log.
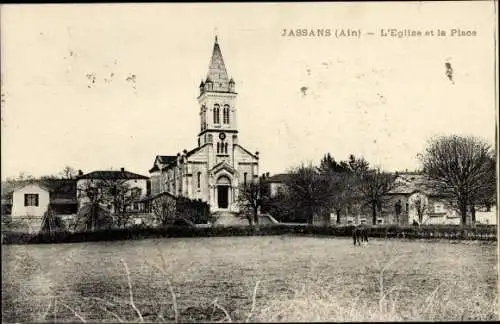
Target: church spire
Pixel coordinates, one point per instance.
(217, 72)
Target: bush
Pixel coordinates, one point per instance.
(486, 232)
(195, 210)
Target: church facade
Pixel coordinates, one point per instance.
(219, 165)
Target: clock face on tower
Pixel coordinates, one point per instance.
(222, 136)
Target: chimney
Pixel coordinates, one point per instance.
(122, 169)
(80, 172)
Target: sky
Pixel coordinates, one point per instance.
(105, 86)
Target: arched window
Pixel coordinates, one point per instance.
(225, 148)
(225, 114)
(245, 179)
(216, 114)
(218, 147)
(199, 180)
(210, 138)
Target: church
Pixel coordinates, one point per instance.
(215, 169)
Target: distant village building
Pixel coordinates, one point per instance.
(276, 183)
(31, 200)
(417, 199)
(414, 199)
(138, 186)
(214, 170)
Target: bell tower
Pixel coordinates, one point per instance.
(217, 98)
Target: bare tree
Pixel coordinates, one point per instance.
(373, 186)
(421, 207)
(462, 167)
(116, 195)
(120, 195)
(91, 214)
(68, 173)
(252, 196)
(163, 207)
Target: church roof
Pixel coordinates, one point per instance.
(166, 158)
(217, 72)
(163, 159)
(247, 151)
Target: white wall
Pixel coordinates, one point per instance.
(485, 217)
(18, 208)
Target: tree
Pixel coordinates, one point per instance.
(113, 194)
(120, 196)
(68, 173)
(420, 204)
(164, 208)
(358, 166)
(252, 196)
(485, 195)
(51, 223)
(341, 180)
(343, 191)
(308, 191)
(461, 166)
(373, 186)
(328, 164)
(91, 215)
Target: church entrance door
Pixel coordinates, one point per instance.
(222, 196)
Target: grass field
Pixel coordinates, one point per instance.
(271, 278)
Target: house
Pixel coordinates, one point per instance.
(416, 198)
(215, 169)
(276, 183)
(31, 200)
(91, 184)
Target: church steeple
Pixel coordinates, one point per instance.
(217, 72)
(217, 101)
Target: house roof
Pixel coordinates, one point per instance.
(280, 177)
(62, 191)
(408, 183)
(152, 197)
(113, 175)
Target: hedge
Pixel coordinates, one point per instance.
(453, 232)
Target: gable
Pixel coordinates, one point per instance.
(243, 155)
(222, 166)
(200, 154)
(31, 188)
